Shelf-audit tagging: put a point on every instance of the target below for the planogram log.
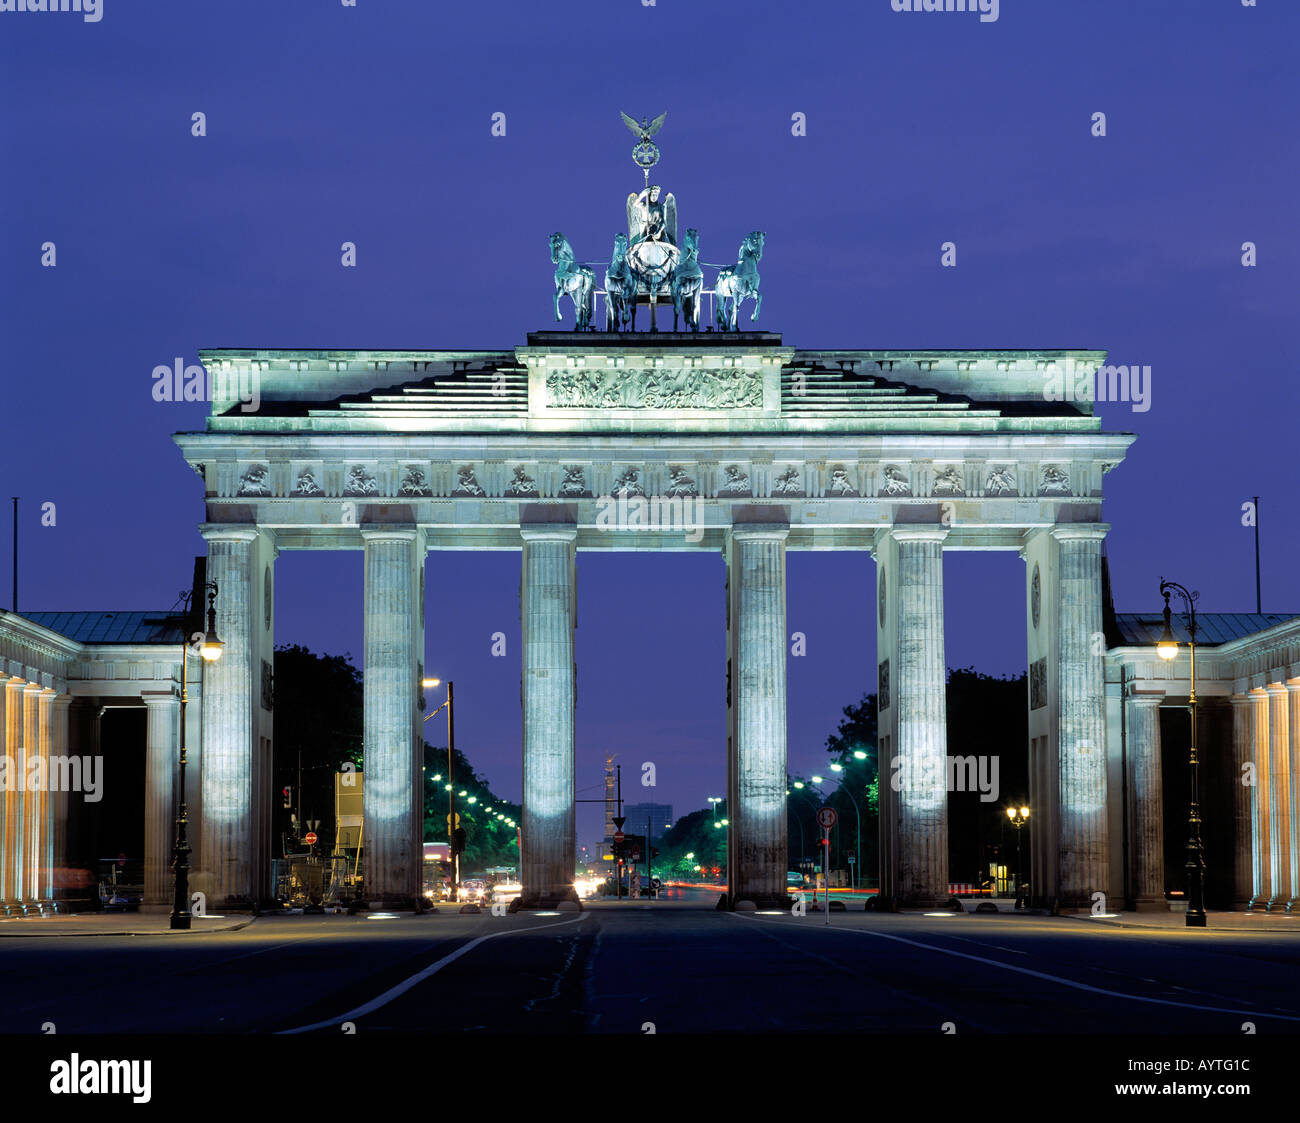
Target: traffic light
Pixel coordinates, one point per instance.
(458, 840)
(287, 792)
(654, 851)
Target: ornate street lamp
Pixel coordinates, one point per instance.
(209, 647)
(1019, 816)
(1167, 649)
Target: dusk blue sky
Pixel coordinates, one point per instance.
(371, 124)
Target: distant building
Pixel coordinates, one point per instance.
(659, 814)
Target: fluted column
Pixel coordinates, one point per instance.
(40, 846)
(1293, 788)
(1146, 788)
(548, 618)
(11, 725)
(1260, 828)
(58, 849)
(1082, 845)
(394, 748)
(162, 752)
(1279, 793)
(26, 874)
(757, 839)
(918, 691)
(231, 690)
(1242, 803)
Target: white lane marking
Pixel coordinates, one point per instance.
(1056, 978)
(419, 977)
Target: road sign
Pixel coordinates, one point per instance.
(457, 819)
(310, 838)
(826, 817)
(618, 836)
(619, 820)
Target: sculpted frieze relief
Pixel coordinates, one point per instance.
(679, 483)
(628, 483)
(895, 481)
(466, 484)
(254, 481)
(521, 484)
(1001, 481)
(414, 482)
(360, 482)
(947, 481)
(788, 483)
(1055, 481)
(736, 483)
(840, 483)
(307, 484)
(575, 482)
(654, 388)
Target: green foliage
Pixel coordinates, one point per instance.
(318, 713)
(489, 841)
(693, 834)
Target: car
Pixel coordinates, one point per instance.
(794, 881)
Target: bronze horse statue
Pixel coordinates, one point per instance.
(620, 288)
(576, 280)
(688, 283)
(739, 282)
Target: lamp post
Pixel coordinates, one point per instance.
(715, 800)
(837, 768)
(1019, 816)
(1167, 649)
(209, 646)
(452, 854)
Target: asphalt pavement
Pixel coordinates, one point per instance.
(662, 966)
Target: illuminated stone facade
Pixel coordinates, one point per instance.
(733, 443)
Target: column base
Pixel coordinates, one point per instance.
(565, 900)
(1151, 904)
(747, 902)
(925, 901)
(392, 904)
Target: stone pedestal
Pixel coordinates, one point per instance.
(547, 611)
(392, 805)
(756, 713)
(1146, 806)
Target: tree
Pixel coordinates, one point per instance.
(319, 702)
(693, 834)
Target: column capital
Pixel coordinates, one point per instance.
(1278, 688)
(915, 533)
(548, 532)
(395, 533)
(228, 532)
(1240, 701)
(32, 688)
(159, 698)
(1146, 699)
(1076, 532)
(760, 532)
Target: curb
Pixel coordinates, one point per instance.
(103, 935)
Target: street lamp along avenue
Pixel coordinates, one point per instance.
(455, 835)
(1019, 816)
(209, 647)
(1167, 649)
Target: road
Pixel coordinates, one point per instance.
(676, 964)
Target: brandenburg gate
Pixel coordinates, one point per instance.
(722, 440)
